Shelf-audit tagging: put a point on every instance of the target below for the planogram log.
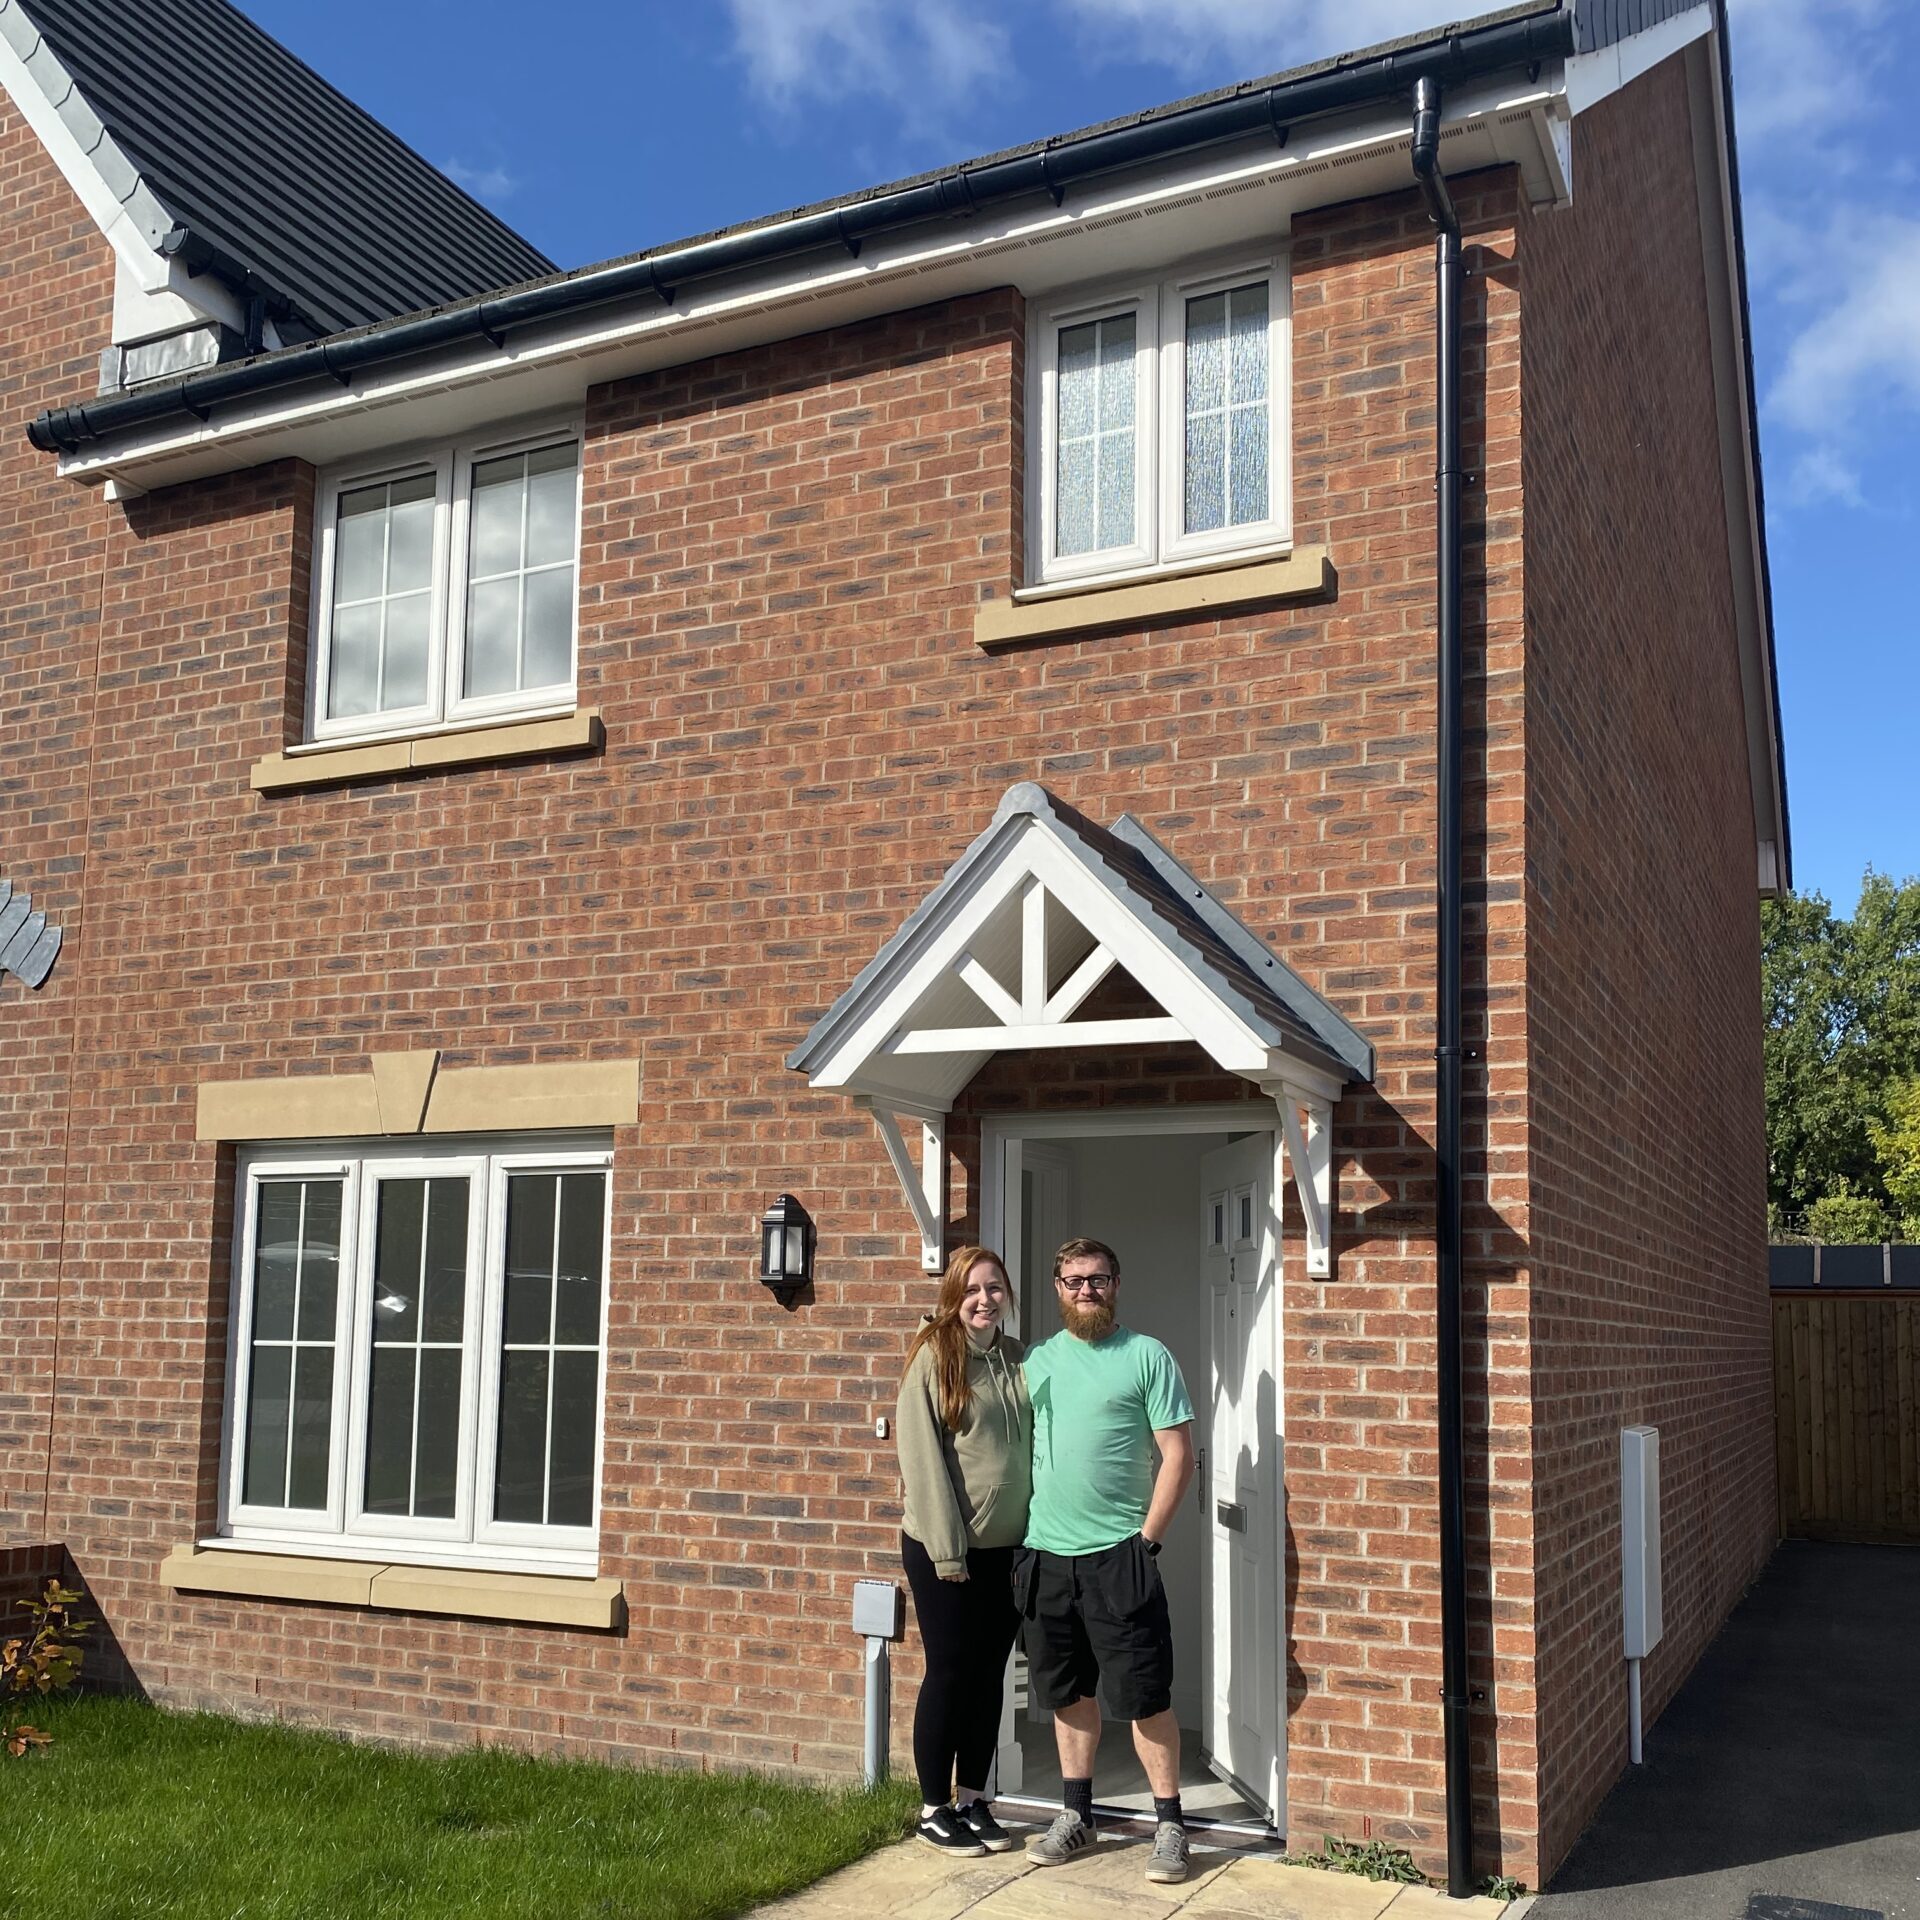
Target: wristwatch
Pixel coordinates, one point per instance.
(1152, 1547)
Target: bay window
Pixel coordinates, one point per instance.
(446, 588)
(417, 1354)
(1160, 435)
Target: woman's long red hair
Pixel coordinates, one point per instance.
(948, 1338)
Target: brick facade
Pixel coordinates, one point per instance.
(781, 553)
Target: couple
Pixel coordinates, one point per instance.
(1032, 1503)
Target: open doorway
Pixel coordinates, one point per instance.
(1175, 1196)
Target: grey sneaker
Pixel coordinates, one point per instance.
(1065, 1840)
(1167, 1863)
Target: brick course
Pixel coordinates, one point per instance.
(781, 553)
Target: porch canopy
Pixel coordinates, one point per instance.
(1007, 950)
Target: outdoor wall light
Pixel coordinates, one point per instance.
(786, 1244)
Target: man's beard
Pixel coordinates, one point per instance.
(1091, 1322)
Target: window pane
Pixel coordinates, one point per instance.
(445, 1313)
(276, 1259)
(530, 1202)
(354, 671)
(1073, 517)
(396, 1260)
(520, 1470)
(1249, 464)
(583, 1213)
(390, 1429)
(576, 1379)
(1077, 377)
(404, 676)
(1206, 352)
(549, 640)
(320, 1260)
(1250, 351)
(1116, 371)
(551, 496)
(360, 544)
(1206, 473)
(1116, 489)
(498, 494)
(410, 535)
(265, 1480)
(436, 1469)
(312, 1427)
(493, 636)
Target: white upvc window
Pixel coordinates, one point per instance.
(1161, 425)
(417, 1353)
(446, 587)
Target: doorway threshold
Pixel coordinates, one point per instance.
(1206, 1826)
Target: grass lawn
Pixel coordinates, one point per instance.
(133, 1812)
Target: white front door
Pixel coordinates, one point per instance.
(1239, 1433)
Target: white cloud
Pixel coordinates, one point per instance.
(1797, 65)
(924, 56)
(1823, 475)
(484, 183)
(1252, 36)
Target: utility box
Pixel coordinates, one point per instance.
(879, 1610)
(1640, 1539)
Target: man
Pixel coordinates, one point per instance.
(1093, 1608)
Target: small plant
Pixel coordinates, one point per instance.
(1371, 1859)
(43, 1662)
(1503, 1886)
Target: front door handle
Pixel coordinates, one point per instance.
(1230, 1516)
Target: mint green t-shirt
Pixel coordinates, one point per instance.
(1095, 1408)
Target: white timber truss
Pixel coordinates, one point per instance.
(1007, 952)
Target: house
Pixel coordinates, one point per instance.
(935, 706)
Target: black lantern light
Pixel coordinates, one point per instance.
(786, 1244)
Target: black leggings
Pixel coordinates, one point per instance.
(967, 1628)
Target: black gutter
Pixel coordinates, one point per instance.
(1448, 1253)
(1053, 170)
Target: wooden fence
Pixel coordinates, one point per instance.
(1846, 1393)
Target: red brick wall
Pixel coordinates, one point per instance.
(781, 555)
(1647, 1160)
(56, 301)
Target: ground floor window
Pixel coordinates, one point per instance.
(417, 1357)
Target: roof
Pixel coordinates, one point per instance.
(254, 167)
(1159, 897)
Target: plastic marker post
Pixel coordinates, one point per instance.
(880, 1614)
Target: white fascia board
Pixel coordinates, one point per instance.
(1211, 201)
(1591, 77)
(151, 294)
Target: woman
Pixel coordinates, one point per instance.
(966, 1454)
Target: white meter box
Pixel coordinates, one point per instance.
(1640, 1539)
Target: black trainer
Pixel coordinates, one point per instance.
(946, 1832)
(978, 1818)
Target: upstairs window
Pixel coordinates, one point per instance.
(1161, 425)
(446, 588)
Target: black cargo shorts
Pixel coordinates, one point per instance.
(1090, 1617)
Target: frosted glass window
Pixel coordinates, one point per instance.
(520, 565)
(290, 1371)
(1096, 436)
(382, 597)
(1227, 372)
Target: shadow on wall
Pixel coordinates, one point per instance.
(24, 1575)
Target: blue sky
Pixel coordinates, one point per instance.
(598, 129)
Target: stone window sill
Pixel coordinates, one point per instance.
(384, 759)
(1305, 574)
(539, 1599)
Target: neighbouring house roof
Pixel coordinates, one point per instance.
(235, 155)
(1143, 910)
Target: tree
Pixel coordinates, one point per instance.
(1897, 1139)
(1841, 1000)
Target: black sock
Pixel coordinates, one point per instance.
(1077, 1796)
(1169, 1810)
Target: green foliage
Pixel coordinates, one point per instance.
(1841, 1000)
(1371, 1859)
(1897, 1140)
(1845, 1218)
(1503, 1886)
(38, 1664)
(136, 1813)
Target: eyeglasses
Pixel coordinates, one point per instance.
(1085, 1282)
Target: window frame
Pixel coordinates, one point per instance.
(343, 1529)
(448, 707)
(1160, 413)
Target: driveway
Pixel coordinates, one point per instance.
(1783, 1782)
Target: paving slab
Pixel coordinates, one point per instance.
(1410, 1902)
(1271, 1891)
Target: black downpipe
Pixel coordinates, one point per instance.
(1455, 1695)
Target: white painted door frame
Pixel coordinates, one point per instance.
(1000, 1139)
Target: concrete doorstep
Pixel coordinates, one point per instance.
(912, 1882)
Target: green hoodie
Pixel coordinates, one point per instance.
(970, 1488)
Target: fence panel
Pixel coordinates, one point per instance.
(1846, 1395)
